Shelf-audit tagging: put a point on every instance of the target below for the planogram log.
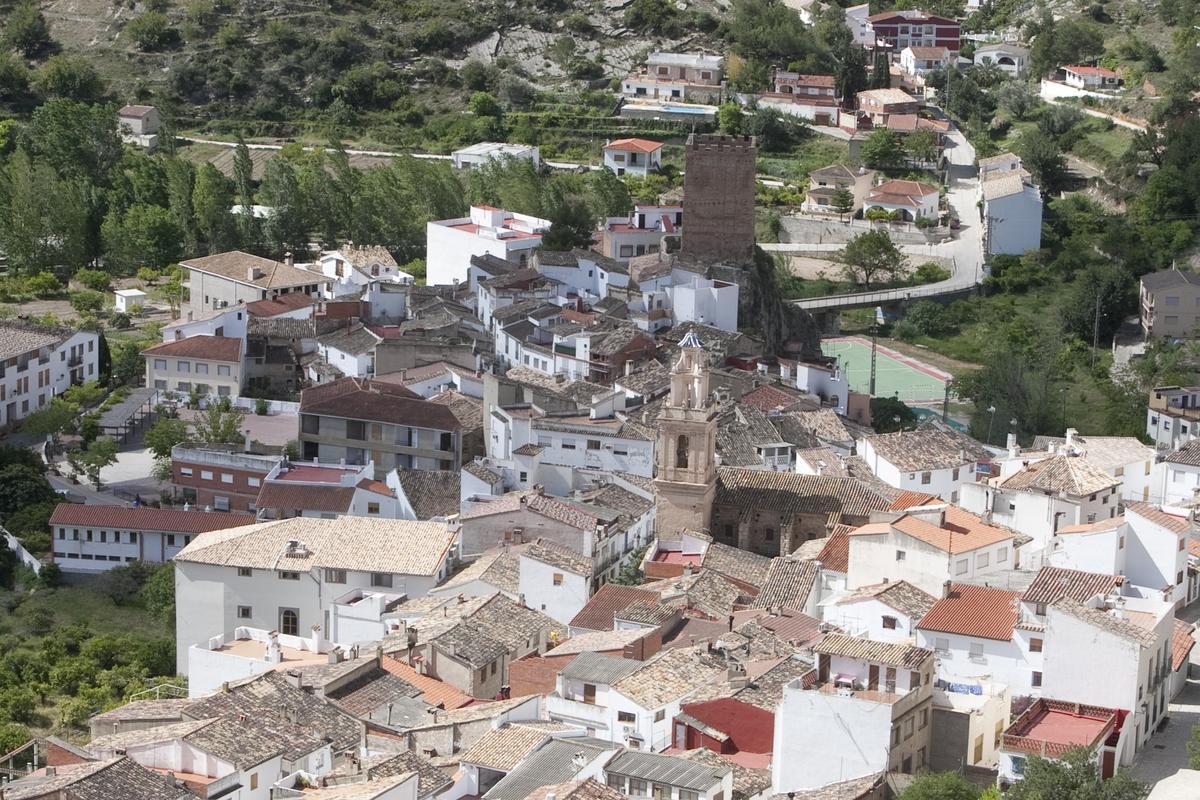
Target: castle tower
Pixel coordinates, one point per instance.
(718, 198)
(686, 475)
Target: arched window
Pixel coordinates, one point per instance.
(289, 622)
(681, 451)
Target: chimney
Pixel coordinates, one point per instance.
(274, 652)
(629, 367)
(946, 589)
(579, 760)
(170, 778)
(289, 259)
(1069, 447)
(246, 441)
(253, 273)
(51, 772)
(1014, 449)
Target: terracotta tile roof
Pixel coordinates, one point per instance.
(433, 691)
(236, 266)
(917, 451)
(897, 654)
(670, 676)
(354, 543)
(835, 555)
(146, 519)
(909, 600)
(909, 499)
(971, 610)
(769, 397)
(430, 492)
(1183, 639)
(372, 401)
(611, 599)
(1159, 517)
(1104, 620)
(736, 564)
(290, 497)
(560, 557)
(961, 532)
(1110, 524)
(467, 410)
(1070, 474)
(788, 584)
(598, 641)
(279, 304)
(205, 348)
(1082, 70)
(790, 493)
(1054, 583)
(18, 338)
(112, 779)
(504, 748)
(635, 145)
(590, 789)
(488, 476)
(430, 779)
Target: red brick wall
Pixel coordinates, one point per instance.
(535, 674)
(240, 493)
(58, 757)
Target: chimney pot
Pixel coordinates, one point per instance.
(946, 589)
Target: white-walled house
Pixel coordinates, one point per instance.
(450, 243)
(921, 60)
(1181, 474)
(1011, 59)
(928, 546)
(288, 575)
(633, 156)
(972, 630)
(1012, 214)
(868, 711)
(910, 200)
(1085, 77)
(708, 302)
(1157, 552)
(352, 267)
(482, 152)
(1173, 413)
(1123, 457)
(883, 612)
(924, 461)
(555, 580)
(207, 365)
(1050, 727)
(37, 363)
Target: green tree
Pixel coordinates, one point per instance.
(842, 201)
(86, 301)
(285, 229)
(883, 149)
(929, 318)
(889, 414)
(1098, 300)
(158, 593)
(572, 225)
(14, 83)
(607, 194)
(43, 219)
(1072, 776)
(770, 32)
(30, 524)
(164, 434)
(150, 31)
(881, 76)
(653, 16)
(631, 573)
(731, 118)
(94, 279)
(180, 185)
(1042, 156)
(98, 455)
(18, 704)
(27, 32)
(52, 419)
(219, 424)
(70, 78)
(142, 235)
(483, 104)
(1193, 748)
(12, 736)
(872, 256)
(77, 138)
(940, 785)
(921, 146)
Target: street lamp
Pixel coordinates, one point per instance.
(991, 421)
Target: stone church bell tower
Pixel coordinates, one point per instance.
(686, 474)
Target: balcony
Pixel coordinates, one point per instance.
(75, 361)
(562, 708)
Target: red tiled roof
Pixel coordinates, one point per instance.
(612, 599)
(305, 497)
(1082, 70)
(769, 398)
(1054, 583)
(1159, 517)
(207, 348)
(960, 532)
(146, 519)
(909, 499)
(835, 555)
(636, 145)
(378, 487)
(1182, 642)
(361, 399)
(974, 611)
(433, 691)
(280, 304)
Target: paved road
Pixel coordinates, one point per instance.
(964, 252)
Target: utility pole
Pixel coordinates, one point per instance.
(1096, 330)
(874, 350)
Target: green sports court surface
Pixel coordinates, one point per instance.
(896, 375)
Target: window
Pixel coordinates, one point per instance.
(223, 370)
(201, 369)
(381, 579)
(960, 568)
(356, 429)
(183, 366)
(523, 477)
(589, 693)
(616, 781)
(226, 477)
(310, 423)
(558, 579)
(1181, 545)
(1018, 766)
(924, 717)
(954, 474)
(1035, 679)
(1002, 555)
(895, 735)
(170, 539)
(245, 572)
(253, 482)
(245, 612)
(687, 794)
(769, 534)
(999, 734)
(593, 444)
(1178, 578)
(253, 781)
(335, 576)
(941, 644)
(982, 560)
(482, 674)
(288, 575)
(185, 472)
(977, 756)
(637, 787)
(926, 477)
(626, 716)
(160, 363)
(900, 554)
(220, 503)
(889, 623)
(493, 668)
(567, 444)
(206, 475)
(1035, 645)
(977, 652)
(289, 621)
(681, 451)
(660, 715)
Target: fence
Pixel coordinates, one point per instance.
(27, 558)
(274, 407)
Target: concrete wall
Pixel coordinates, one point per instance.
(223, 378)
(822, 739)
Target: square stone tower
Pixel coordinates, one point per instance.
(718, 198)
(686, 477)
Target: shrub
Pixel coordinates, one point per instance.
(121, 321)
(86, 301)
(94, 279)
(43, 285)
(150, 31)
(261, 406)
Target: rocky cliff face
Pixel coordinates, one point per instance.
(765, 313)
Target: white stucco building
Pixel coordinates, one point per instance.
(450, 243)
(633, 156)
(37, 363)
(920, 461)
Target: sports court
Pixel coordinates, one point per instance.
(896, 375)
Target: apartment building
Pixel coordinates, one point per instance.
(207, 365)
(450, 243)
(697, 77)
(219, 478)
(911, 28)
(37, 363)
(96, 538)
(357, 420)
(1170, 304)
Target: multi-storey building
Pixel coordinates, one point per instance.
(1170, 304)
(450, 243)
(227, 279)
(207, 365)
(37, 363)
(359, 420)
(220, 479)
(910, 28)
